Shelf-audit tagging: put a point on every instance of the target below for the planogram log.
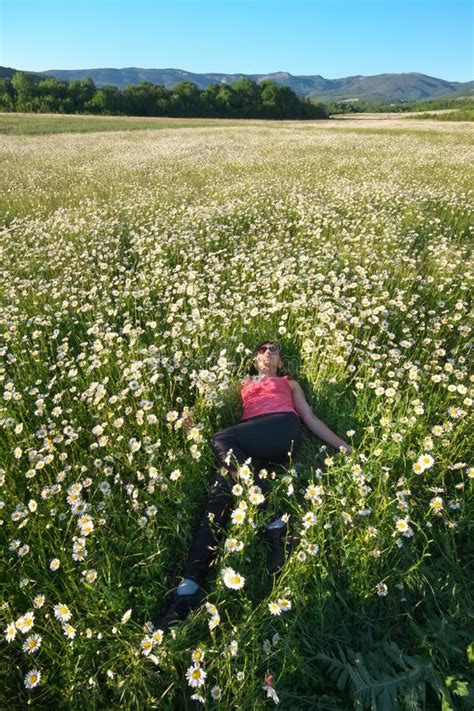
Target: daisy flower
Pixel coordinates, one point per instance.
(437, 503)
(157, 636)
(274, 608)
(90, 575)
(212, 609)
(426, 460)
(309, 519)
(214, 621)
(238, 516)
(216, 693)
(25, 622)
(85, 524)
(10, 631)
(197, 655)
(256, 498)
(32, 643)
(69, 631)
(54, 565)
(38, 601)
(175, 474)
(134, 444)
(195, 676)
(284, 604)
(244, 472)
(232, 579)
(62, 612)
(32, 679)
(313, 492)
(146, 645)
(232, 544)
(402, 527)
(312, 548)
(381, 589)
(418, 468)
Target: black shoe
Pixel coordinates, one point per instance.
(276, 548)
(180, 607)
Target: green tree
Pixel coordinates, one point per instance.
(25, 90)
(81, 91)
(226, 100)
(107, 100)
(7, 95)
(140, 99)
(268, 97)
(247, 96)
(162, 100)
(287, 103)
(53, 87)
(185, 100)
(209, 102)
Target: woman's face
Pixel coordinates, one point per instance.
(267, 359)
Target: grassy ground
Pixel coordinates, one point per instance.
(42, 124)
(19, 124)
(455, 115)
(138, 271)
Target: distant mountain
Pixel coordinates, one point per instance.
(465, 91)
(8, 72)
(408, 87)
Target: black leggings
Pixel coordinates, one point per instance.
(266, 439)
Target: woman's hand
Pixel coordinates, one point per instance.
(346, 448)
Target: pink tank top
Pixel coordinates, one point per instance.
(266, 396)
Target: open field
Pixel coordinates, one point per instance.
(138, 269)
(42, 124)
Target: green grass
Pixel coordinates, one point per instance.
(44, 124)
(136, 270)
(455, 115)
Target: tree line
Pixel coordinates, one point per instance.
(242, 99)
(373, 106)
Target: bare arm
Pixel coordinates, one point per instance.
(315, 425)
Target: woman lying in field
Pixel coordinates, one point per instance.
(269, 432)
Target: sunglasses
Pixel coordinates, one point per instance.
(273, 349)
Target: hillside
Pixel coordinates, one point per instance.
(411, 86)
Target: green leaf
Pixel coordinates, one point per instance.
(470, 652)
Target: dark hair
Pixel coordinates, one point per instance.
(253, 370)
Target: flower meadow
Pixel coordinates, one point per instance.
(138, 270)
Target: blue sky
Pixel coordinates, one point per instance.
(334, 38)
